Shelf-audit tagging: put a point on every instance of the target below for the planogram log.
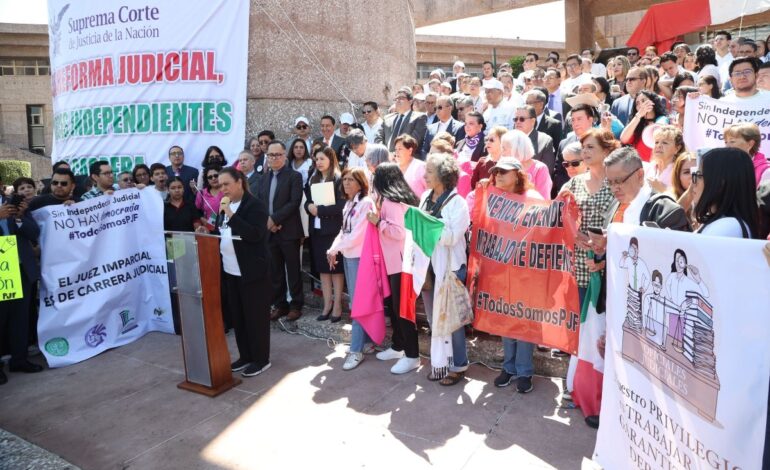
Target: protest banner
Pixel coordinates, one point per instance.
(705, 120)
(10, 274)
(521, 270)
(104, 275)
(685, 316)
(131, 79)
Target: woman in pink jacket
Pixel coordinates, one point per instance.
(394, 196)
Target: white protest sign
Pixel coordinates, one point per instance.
(687, 360)
(705, 120)
(104, 275)
(132, 78)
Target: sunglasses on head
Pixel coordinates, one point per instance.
(573, 164)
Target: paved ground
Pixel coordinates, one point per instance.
(122, 410)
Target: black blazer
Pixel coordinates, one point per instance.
(455, 127)
(544, 150)
(552, 127)
(187, 173)
(331, 216)
(250, 223)
(26, 234)
(414, 124)
(288, 197)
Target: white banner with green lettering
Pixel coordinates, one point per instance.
(687, 360)
(104, 275)
(132, 78)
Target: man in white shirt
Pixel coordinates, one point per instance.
(499, 112)
(488, 72)
(743, 75)
(509, 94)
(721, 43)
(474, 90)
(576, 77)
(530, 63)
(346, 120)
(596, 69)
(357, 144)
(372, 121)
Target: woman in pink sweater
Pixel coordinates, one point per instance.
(394, 196)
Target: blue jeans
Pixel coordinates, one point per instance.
(459, 348)
(517, 357)
(358, 336)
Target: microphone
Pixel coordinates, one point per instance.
(223, 204)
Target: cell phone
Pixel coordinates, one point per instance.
(595, 230)
(650, 223)
(16, 199)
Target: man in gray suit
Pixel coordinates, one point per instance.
(246, 162)
(525, 120)
(403, 121)
(444, 123)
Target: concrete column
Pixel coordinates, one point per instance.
(579, 25)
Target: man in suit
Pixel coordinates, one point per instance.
(178, 168)
(457, 68)
(246, 163)
(328, 137)
(444, 123)
(430, 107)
(555, 100)
(524, 121)
(14, 314)
(280, 189)
(403, 121)
(545, 123)
(582, 119)
(635, 80)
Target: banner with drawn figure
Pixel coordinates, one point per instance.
(705, 120)
(130, 79)
(521, 270)
(687, 359)
(104, 275)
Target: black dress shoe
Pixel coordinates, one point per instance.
(593, 421)
(334, 319)
(26, 366)
(3, 378)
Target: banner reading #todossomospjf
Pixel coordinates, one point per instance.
(130, 79)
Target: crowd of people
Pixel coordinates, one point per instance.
(608, 135)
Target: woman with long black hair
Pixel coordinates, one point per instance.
(648, 109)
(393, 196)
(245, 271)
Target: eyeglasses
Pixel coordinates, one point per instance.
(176, 153)
(59, 183)
(502, 172)
(301, 127)
(211, 177)
(367, 111)
(573, 163)
(622, 180)
(696, 176)
(631, 79)
(742, 73)
(521, 119)
(274, 156)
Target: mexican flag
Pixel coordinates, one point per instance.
(422, 234)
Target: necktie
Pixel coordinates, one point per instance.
(396, 129)
(635, 278)
(552, 102)
(273, 185)
(618, 217)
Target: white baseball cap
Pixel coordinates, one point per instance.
(459, 63)
(347, 118)
(301, 119)
(494, 84)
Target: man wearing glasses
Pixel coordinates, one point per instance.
(530, 63)
(100, 173)
(525, 120)
(402, 121)
(178, 168)
(633, 55)
(372, 121)
(576, 76)
(302, 130)
(444, 123)
(62, 187)
(635, 80)
(743, 76)
(258, 147)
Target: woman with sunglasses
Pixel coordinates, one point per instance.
(207, 200)
(213, 157)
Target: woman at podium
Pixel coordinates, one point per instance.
(245, 274)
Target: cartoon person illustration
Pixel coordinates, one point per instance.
(655, 317)
(638, 279)
(683, 278)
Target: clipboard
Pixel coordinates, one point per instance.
(323, 193)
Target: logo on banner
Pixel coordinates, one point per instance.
(668, 331)
(129, 321)
(54, 25)
(57, 347)
(96, 335)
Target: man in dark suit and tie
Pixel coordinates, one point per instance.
(328, 137)
(635, 80)
(444, 123)
(403, 121)
(525, 122)
(280, 189)
(247, 163)
(178, 168)
(14, 314)
(544, 122)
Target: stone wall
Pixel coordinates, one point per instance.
(41, 166)
(366, 49)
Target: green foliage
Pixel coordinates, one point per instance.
(12, 169)
(517, 63)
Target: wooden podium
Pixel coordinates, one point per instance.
(196, 265)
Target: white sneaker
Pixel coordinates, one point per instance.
(405, 364)
(389, 354)
(352, 361)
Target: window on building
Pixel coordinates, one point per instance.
(25, 67)
(36, 128)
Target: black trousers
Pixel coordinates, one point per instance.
(248, 305)
(14, 322)
(285, 261)
(404, 332)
